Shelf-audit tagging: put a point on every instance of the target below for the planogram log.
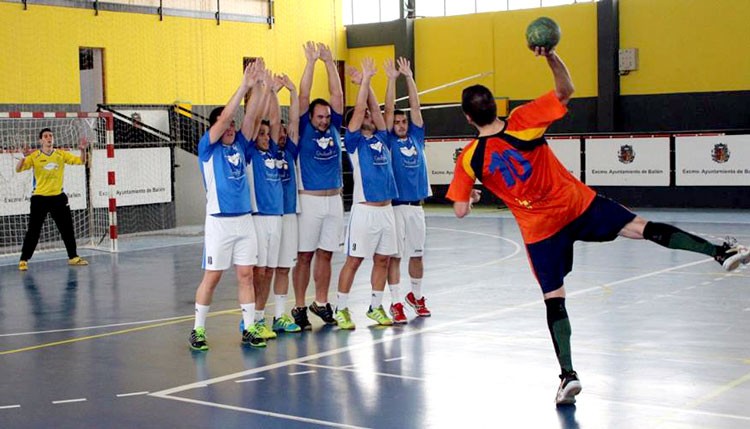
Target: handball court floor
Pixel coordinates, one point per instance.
(660, 340)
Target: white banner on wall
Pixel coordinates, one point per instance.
(634, 161)
(568, 151)
(16, 188)
(143, 176)
(441, 159)
(712, 160)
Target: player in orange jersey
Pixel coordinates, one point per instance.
(553, 208)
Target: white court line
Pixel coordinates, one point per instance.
(302, 372)
(250, 379)
(381, 374)
(673, 410)
(125, 395)
(392, 359)
(69, 401)
(8, 407)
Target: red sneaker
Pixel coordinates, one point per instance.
(418, 305)
(397, 311)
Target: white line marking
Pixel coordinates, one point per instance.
(392, 359)
(125, 395)
(673, 409)
(68, 401)
(302, 372)
(8, 407)
(250, 379)
(382, 374)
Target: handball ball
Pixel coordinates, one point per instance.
(543, 32)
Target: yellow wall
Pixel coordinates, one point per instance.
(451, 48)
(148, 61)
(378, 83)
(686, 45)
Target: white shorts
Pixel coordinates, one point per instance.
(268, 229)
(288, 250)
(371, 230)
(321, 223)
(411, 230)
(229, 240)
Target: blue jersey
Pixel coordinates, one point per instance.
(287, 164)
(410, 164)
(224, 177)
(266, 194)
(371, 161)
(320, 155)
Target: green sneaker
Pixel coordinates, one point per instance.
(285, 323)
(252, 338)
(264, 331)
(378, 315)
(344, 319)
(198, 339)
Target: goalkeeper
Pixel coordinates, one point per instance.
(48, 196)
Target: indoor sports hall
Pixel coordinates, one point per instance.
(659, 121)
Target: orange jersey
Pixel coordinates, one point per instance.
(519, 167)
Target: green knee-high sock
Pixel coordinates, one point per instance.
(675, 238)
(559, 329)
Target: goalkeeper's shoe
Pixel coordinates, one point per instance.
(252, 338)
(77, 261)
(378, 315)
(285, 323)
(198, 339)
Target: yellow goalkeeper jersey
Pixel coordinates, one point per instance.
(49, 170)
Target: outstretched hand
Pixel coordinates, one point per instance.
(354, 74)
(311, 51)
(540, 51)
(287, 82)
(404, 67)
(26, 150)
(325, 53)
(83, 144)
(390, 69)
(368, 67)
(254, 72)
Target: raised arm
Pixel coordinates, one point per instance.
(265, 101)
(368, 70)
(224, 121)
(334, 82)
(564, 88)
(372, 100)
(415, 108)
(274, 111)
(305, 84)
(293, 126)
(252, 107)
(25, 151)
(390, 92)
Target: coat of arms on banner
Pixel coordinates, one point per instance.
(626, 155)
(720, 153)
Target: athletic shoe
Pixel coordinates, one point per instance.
(344, 319)
(325, 312)
(198, 339)
(300, 318)
(23, 265)
(397, 311)
(252, 338)
(418, 305)
(285, 323)
(378, 315)
(731, 255)
(570, 386)
(264, 331)
(77, 261)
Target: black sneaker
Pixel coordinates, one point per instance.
(198, 339)
(252, 337)
(300, 318)
(325, 313)
(730, 255)
(570, 386)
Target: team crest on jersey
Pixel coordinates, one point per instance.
(234, 158)
(377, 146)
(236, 163)
(408, 151)
(409, 158)
(50, 166)
(626, 155)
(326, 149)
(324, 142)
(269, 163)
(720, 153)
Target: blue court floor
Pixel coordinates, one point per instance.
(661, 339)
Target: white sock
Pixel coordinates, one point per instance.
(377, 299)
(279, 302)
(416, 288)
(201, 312)
(342, 300)
(259, 315)
(248, 311)
(395, 293)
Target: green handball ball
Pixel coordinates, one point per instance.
(543, 32)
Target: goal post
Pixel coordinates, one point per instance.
(95, 226)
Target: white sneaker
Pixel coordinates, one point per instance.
(733, 255)
(570, 386)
